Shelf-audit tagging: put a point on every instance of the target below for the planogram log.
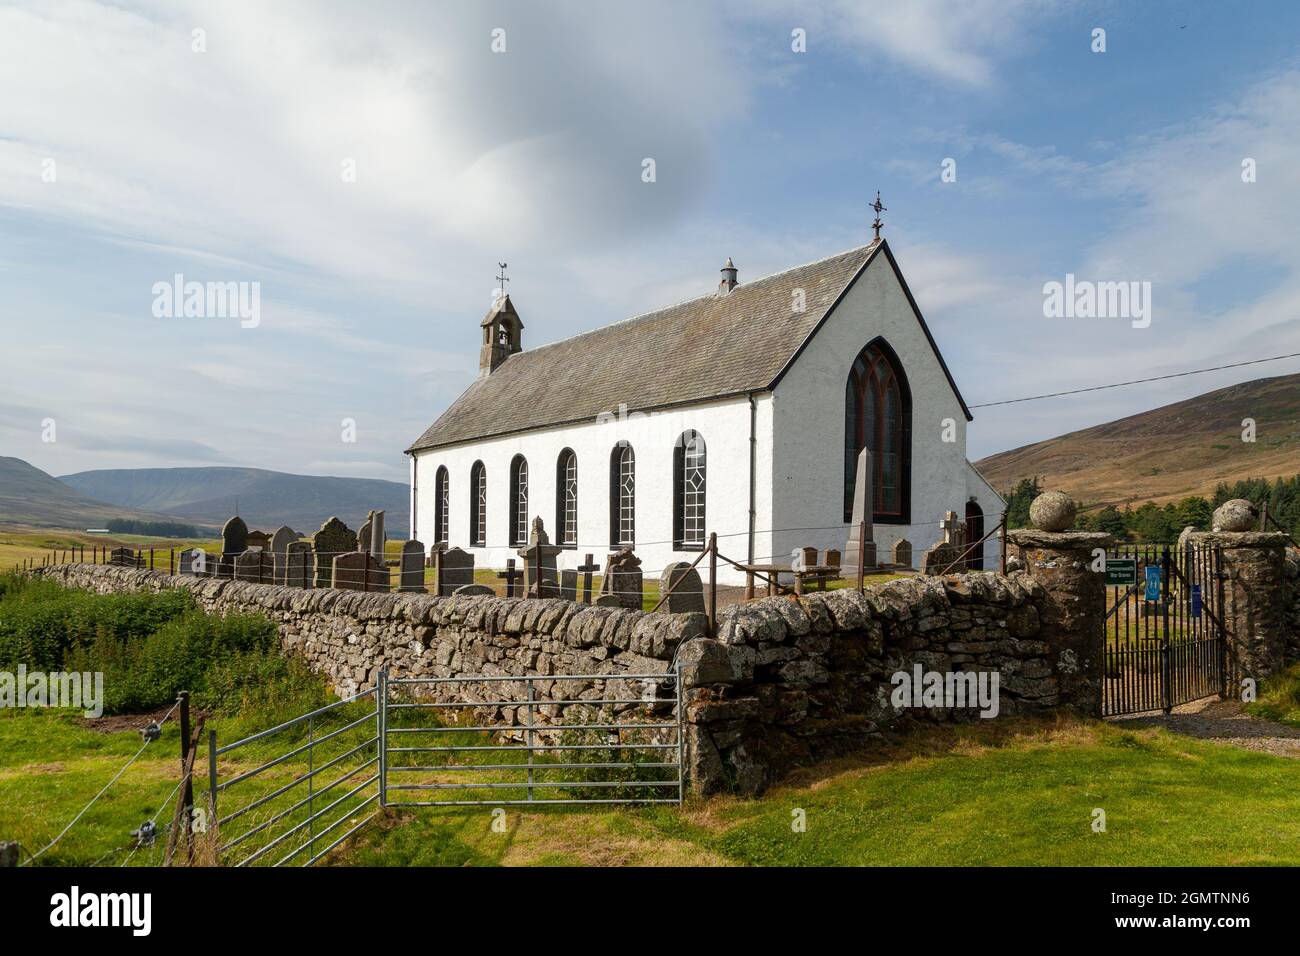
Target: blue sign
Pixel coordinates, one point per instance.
(1196, 600)
(1153, 582)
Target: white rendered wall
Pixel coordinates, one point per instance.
(808, 450)
(725, 427)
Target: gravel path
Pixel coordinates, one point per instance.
(1225, 722)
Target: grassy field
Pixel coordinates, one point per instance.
(1014, 793)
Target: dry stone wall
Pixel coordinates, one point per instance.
(786, 682)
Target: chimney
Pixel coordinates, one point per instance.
(729, 280)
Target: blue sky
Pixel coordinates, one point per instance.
(225, 165)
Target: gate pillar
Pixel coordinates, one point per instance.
(1063, 562)
(1255, 605)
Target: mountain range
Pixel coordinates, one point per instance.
(1250, 430)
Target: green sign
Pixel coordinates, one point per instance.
(1121, 571)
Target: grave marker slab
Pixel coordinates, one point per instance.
(454, 569)
(280, 541)
(255, 565)
(687, 588)
(412, 567)
(358, 571)
(623, 578)
(298, 565)
(333, 539)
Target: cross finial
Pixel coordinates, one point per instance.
(502, 278)
(877, 224)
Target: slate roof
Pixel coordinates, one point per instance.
(706, 348)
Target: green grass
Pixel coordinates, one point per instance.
(1022, 793)
(1280, 698)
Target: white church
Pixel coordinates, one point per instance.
(739, 413)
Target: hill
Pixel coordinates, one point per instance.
(1168, 453)
(266, 499)
(30, 497)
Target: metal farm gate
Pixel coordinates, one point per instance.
(290, 794)
(1163, 631)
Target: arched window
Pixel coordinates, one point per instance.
(878, 416)
(688, 492)
(518, 501)
(478, 505)
(622, 496)
(566, 499)
(441, 500)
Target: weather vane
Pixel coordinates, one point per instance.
(502, 277)
(877, 224)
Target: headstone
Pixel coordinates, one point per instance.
(954, 536)
(902, 553)
(864, 513)
(541, 577)
(255, 565)
(377, 535)
(260, 540)
(412, 567)
(569, 584)
(511, 576)
(234, 536)
(298, 565)
(623, 578)
(687, 589)
(609, 600)
(833, 559)
(280, 541)
(194, 561)
(475, 590)
(586, 569)
(454, 569)
(364, 533)
(125, 558)
(333, 539)
(944, 555)
(358, 571)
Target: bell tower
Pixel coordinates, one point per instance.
(502, 337)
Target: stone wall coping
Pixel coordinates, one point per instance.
(1064, 540)
(1240, 539)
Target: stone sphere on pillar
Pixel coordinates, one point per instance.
(1052, 511)
(1235, 515)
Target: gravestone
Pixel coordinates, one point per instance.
(475, 590)
(298, 565)
(364, 533)
(864, 504)
(586, 569)
(511, 576)
(358, 571)
(412, 567)
(234, 536)
(945, 555)
(609, 600)
(260, 540)
(333, 539)
(623, 578)
(833, 558)
(541, 577)
(255, 565)
(194, 561)
(125, 558)
(569, 584)
(377, 535)
(902, 553)
(280, 541)
(687, 588)
(454, 569)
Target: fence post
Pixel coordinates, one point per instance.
(713, 583)
(1166, 663)
(187, 784)
(381, 721)
(171, 561)
(212, 795)
(1002, 534)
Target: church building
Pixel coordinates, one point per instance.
(739, 413)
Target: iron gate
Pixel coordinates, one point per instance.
(1163, 632)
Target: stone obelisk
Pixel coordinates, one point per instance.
(863, 513)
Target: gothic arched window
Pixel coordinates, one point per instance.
(441, 500)
(622, 496)
(566, 499)
(688, 492)
(878, 416)
(478, 505)
(519, 501)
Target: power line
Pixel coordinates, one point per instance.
(1137, 381)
